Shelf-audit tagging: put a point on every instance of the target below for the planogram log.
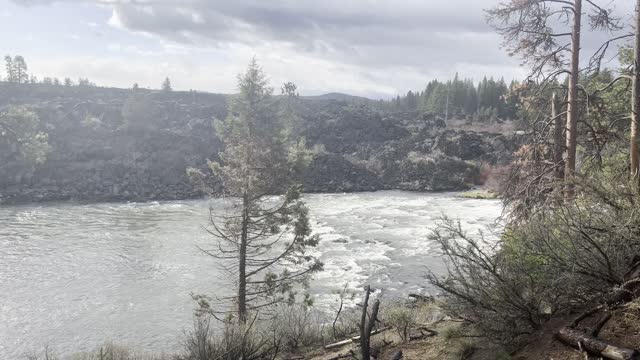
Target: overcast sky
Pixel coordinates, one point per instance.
(374, 48)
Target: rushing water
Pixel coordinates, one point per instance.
(73, 275)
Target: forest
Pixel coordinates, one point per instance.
(487, 101)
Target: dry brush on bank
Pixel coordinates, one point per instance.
(582, 253)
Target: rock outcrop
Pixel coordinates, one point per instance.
(108, 145)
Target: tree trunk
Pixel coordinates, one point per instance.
(635, 101)
(367, 326)
(572, 109)
(595, 346)
(242, 263)
(364, 339)
(558, 139)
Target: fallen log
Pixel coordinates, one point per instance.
(422, 335)
(585, 315)
(600, 324)
(353, 339)
(626, 291)
(595, 346)
(338, 344)
(430, 331)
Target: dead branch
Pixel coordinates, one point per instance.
(600, 324)
(354, 339)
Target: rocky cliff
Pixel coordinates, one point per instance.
(120, 145)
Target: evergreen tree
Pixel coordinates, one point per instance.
(11, 77)
(457, 96)
(411, 101)
(20, 70)
(471, 99)
(166, 85)
(262, 241)
(438, 100)
(85, 82)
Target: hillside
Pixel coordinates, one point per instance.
(109, 144)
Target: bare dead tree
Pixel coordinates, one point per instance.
(572, 111)
(367, 323)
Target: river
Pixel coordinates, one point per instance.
(75, 275)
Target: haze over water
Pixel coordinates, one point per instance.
(74, 275)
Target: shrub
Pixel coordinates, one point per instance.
(462, 350)
(402, 319)
(451, 332)
(487, 289)
(111, 351)
(558, 259)
(46, 354)
(235, 342)
(108, 351)
(299, 326)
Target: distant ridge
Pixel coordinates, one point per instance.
(338, 96)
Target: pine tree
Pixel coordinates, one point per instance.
(20, 70)
(166, 85)
(411, 102)
(471, 99)
(11, 77)
(438, 100)
(262, 241)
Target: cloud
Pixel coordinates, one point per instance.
(380, 33)
(367, 47)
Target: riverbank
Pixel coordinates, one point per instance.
(35, 197)
(436, 336)
(427, 335)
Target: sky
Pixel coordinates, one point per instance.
(373, 48)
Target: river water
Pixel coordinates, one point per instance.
(75, 275)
